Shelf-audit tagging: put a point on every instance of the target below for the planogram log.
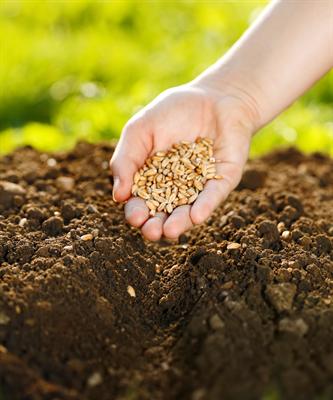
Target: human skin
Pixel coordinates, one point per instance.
(286, 50)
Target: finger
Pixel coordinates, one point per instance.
(153, 228)
(178, 222)
(136, 211)
(132, 149)
(232, 152)
(216, 191)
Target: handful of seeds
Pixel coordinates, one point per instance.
(175, 177)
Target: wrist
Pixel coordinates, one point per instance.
(225, 81)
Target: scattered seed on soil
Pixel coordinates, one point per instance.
(131, 291)
(87, 237)
(186, 166)
(286, 235)
(234, 246)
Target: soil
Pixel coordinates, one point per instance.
(235, 309)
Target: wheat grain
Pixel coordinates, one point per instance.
(175, 177)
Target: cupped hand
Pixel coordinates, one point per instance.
(184, 113)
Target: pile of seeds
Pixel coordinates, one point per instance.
(176, 177)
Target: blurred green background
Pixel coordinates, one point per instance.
(79, 69)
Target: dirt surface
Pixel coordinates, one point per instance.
(240, 308)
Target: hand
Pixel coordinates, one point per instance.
(184, 113)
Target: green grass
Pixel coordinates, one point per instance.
(79, 69)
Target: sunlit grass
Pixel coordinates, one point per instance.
(79, 69)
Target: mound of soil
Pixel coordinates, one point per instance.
(239, 308)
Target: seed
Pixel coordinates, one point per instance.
(192, 198)
(131, 291)
(191, 191)
(198, 185)
(175, 177)
(158, 198)
(168, 192)
(143, 194)
(161, 206)
(286, 235)
(87, 237)
(150, 205)
(165, 162)
(172, 197)
(234, 246)
(137, 177)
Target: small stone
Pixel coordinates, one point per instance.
(199, 394)
(68, 248)
(94, 379)
(237, 221)
(216, 323)
(269, 232)
(95, 233)
(223, 221)
(53, 226)
(66, 183)
(35, 213)
(297, 326)
(10, 194)
(92, 209)
(281, 296)
(131, 291)
(234, 246)
(4, 319)
(87, 237)
(228, 285)
(324, 244)
(3, 349)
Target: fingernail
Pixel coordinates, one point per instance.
(116, 183)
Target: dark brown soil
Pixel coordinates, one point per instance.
(209, 320)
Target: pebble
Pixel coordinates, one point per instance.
(87, 237)
(91, 208)
(281, 296)
(66, 183)
(10, 194)
(216, 323)
(269, 231)
(53, 226)
(4, 319)
(131, 291)
(68, 248)
(94, 379)
(297, 326)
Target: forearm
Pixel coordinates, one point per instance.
(285, 51)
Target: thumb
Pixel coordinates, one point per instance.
(133, 148)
